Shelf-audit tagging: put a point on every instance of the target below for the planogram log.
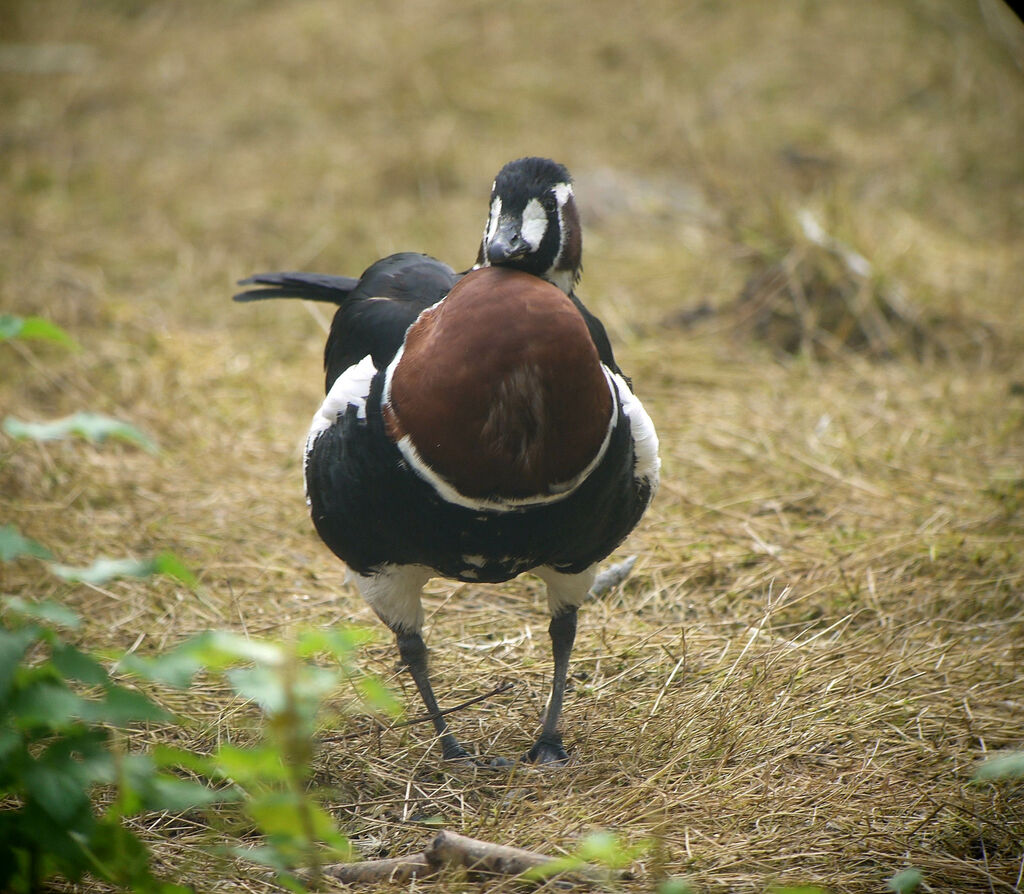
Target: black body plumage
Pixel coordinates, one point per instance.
(371, 509)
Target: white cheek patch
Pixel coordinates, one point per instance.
(563, 192)
(535, 223)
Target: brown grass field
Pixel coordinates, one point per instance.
(824, 632)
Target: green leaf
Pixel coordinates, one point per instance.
(13, 545)
(264, 855)
(218, 649)
(313, 684)
(121, 858)
(278, 814)
(604, 848)
(675, 886)
(13, 645)
(76, 665)
(263, 764)
(607, 849)
(46, 611)
(175, 668)
(283, 818)
(262, 685)
(165, 792)
(94, 427)
(40, 328)
(33, 327)
(89, 748)
(557, 866)
(338, 642)
(103, 570)
(905, 882)
(10, 326)
(168, 563)
(435, 819)
(121, 707)
(10, 741)
(48, 704)
(1003, 766)
(171, 756)
(298, 694)
(378, 697)
(57, 787)
(156, 790)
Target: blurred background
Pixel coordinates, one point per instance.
(167, 147)
(803, 230)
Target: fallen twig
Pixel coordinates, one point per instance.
(424, 718)
(483, 856)
(452, 849)
(396, 869)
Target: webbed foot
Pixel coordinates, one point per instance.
(548, 750)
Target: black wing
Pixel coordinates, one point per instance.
(600, 339)
(390, 295)
(373, 311)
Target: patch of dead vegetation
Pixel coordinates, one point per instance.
(815, 296)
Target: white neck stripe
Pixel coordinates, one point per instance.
(447, 491)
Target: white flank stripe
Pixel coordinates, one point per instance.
(645, 438)
(351, 388)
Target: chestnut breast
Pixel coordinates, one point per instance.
(500, 388)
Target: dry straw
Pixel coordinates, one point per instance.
(822, 636)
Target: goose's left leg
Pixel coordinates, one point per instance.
(565, 593)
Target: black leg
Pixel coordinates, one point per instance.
(414, 655)
(548, 747)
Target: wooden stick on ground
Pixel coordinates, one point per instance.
(457, 850)
(396, 869)
(482, 856)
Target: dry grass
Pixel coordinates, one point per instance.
(824, 631)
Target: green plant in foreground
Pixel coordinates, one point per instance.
(14, 545)
(675, 886)
(93, 427)
(61, 717)
(272, 777)
(58, 716)
(1006, 766)
(599, 848)
(60, 711)
(12, 327)
(905, 882)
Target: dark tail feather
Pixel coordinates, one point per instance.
(311, 286)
